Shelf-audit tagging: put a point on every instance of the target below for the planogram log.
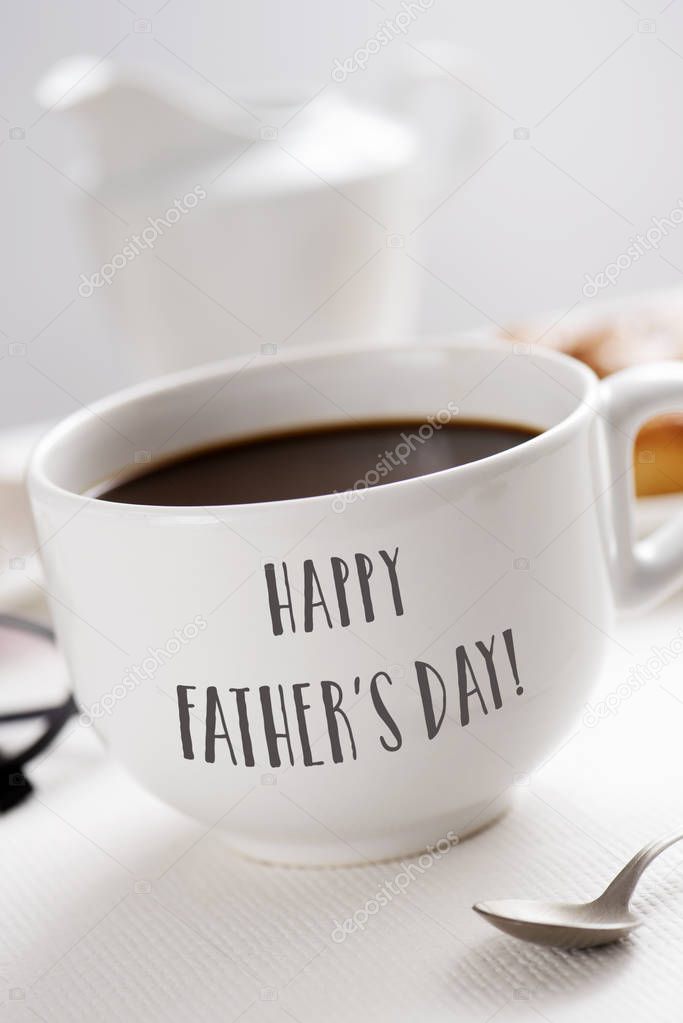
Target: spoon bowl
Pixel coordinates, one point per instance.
(558, 924)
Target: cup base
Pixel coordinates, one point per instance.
(359, 852)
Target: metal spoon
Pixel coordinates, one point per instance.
(577, 925)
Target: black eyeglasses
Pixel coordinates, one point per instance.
(14, 785)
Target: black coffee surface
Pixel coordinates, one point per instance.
(317, 461)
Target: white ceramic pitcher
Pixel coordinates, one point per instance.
(257, 223)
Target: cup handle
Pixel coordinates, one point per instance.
(643, 571)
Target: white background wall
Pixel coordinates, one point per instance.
(599, 87)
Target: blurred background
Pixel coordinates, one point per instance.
(368, 169)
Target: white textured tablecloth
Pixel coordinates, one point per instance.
(113, 907)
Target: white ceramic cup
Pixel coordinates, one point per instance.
(453, 658)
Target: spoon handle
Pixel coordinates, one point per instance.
(618, 893)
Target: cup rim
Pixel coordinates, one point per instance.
(40, 482)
